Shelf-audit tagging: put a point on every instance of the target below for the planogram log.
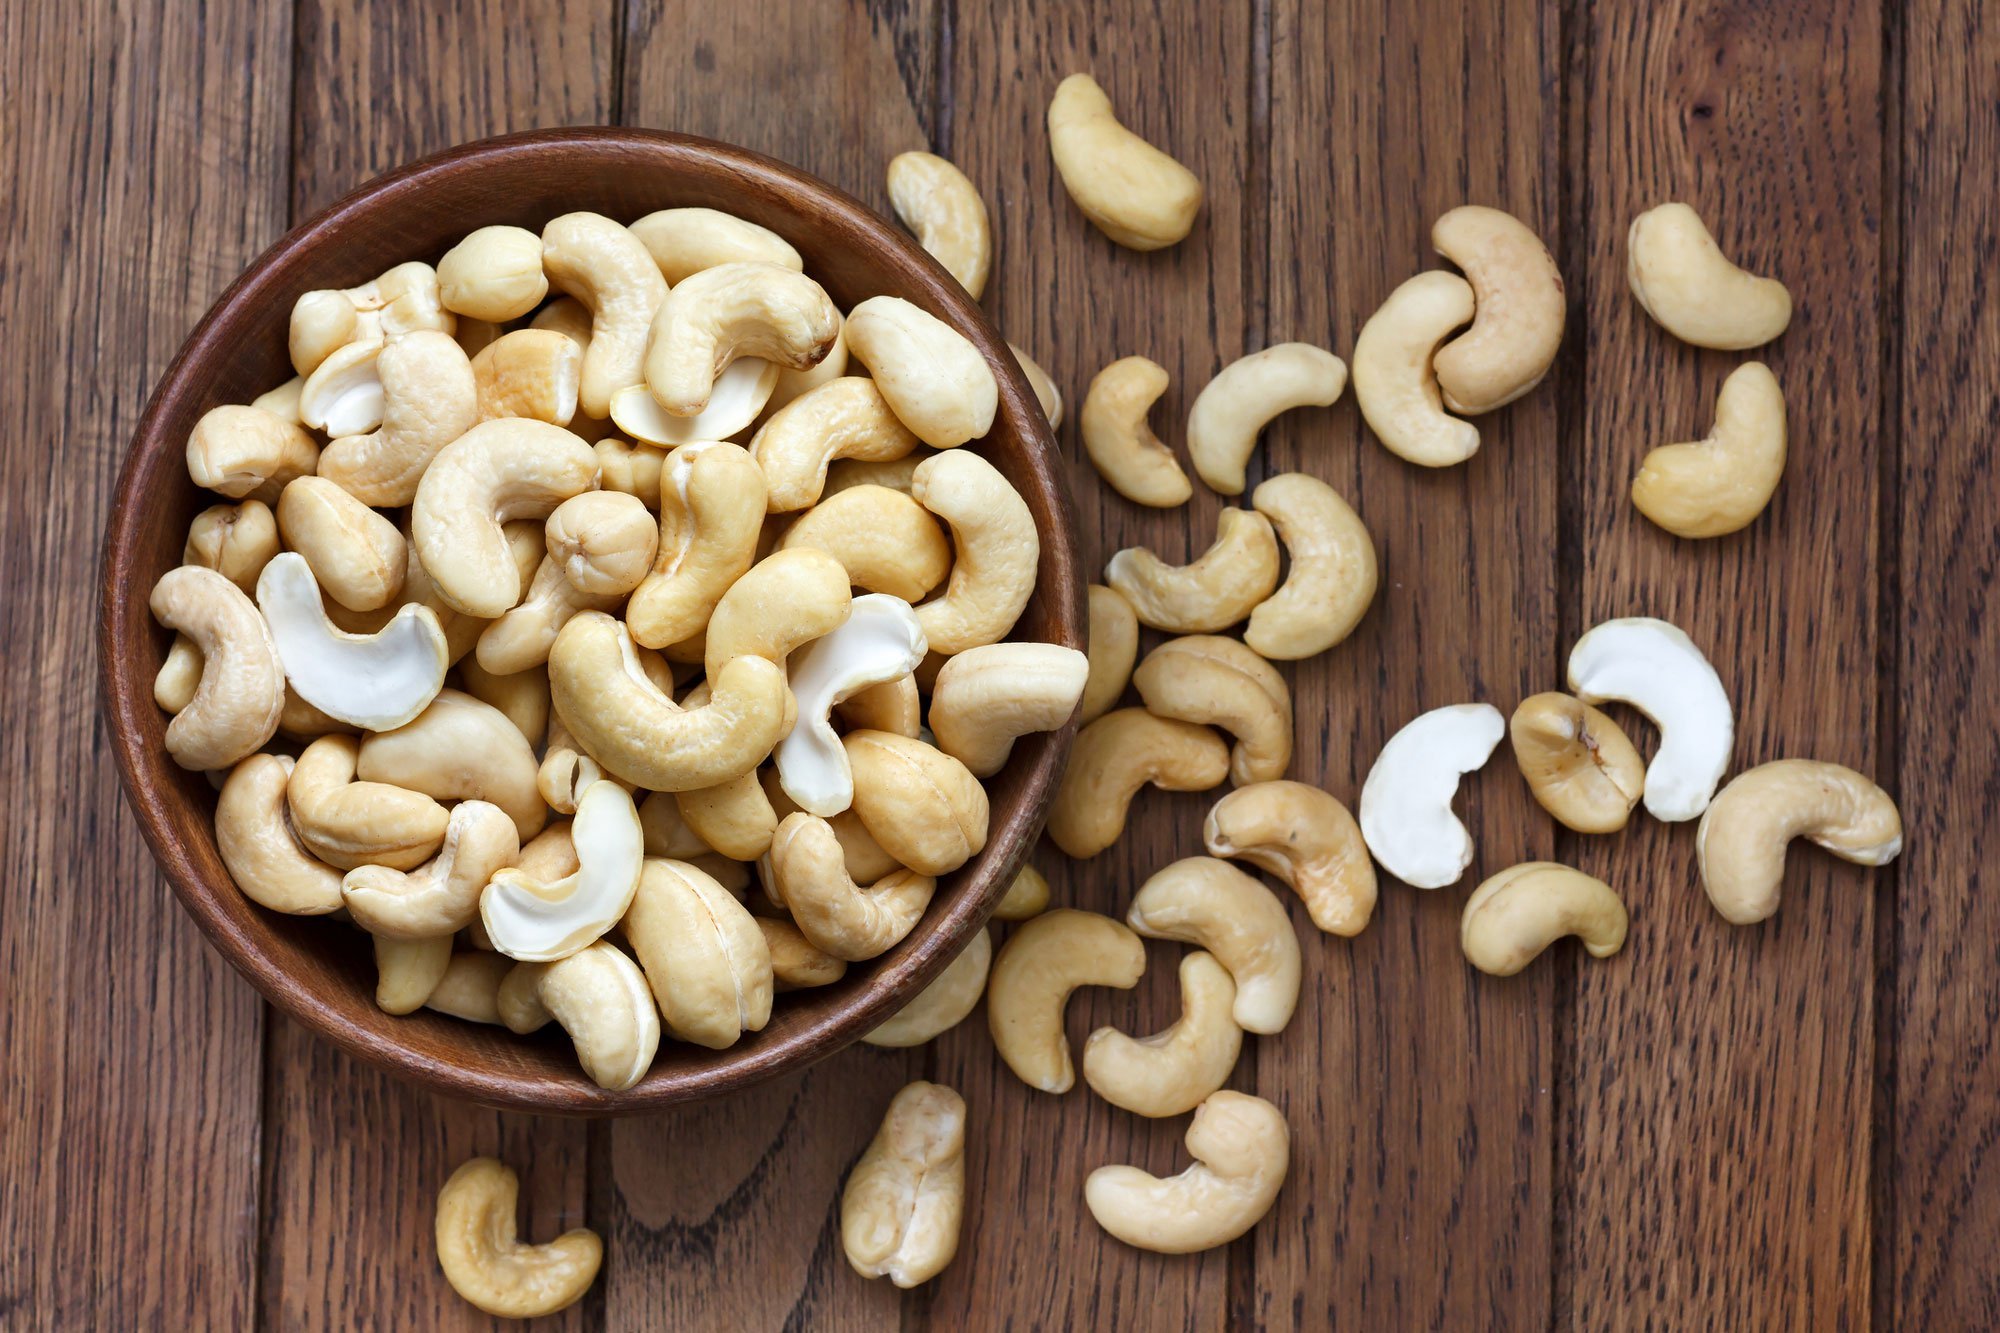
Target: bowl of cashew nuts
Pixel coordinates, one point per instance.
(622, 581)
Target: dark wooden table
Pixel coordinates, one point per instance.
(1793, 1124)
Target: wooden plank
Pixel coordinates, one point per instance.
(1717, 1103)
(1942, 1192)
(727, 1215)
(1417, 1088)
(142, 174)
(355, 1158)
(1181, 75)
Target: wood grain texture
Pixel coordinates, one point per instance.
(1717, 1113)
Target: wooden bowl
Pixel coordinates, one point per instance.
(321, 973)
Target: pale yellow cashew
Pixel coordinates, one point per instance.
(986, 697)
(942, 1005)
(1690, 288)
(357, 557)
(236, 541)
(1744, 833)
(1134, 193)
(459, 749)
(1718, 485)
(796, 962)
(494, 274)
(607, 269)
(900, 1210)
(1038, 967)
(1026, 897)
(633, 469)
(247, 452)
(712, 502)
(944, 211)
(1333, 575)
(1517, 323)
(924, 807)
(1114, 647)
(430, 396)
(1209, 679)
(685, 241)
(521, 638)
(1306, 838)
(998, 550)
(1514, 915)
(884, 539)
(1121, 446)
(236, 706)
(374, 681)
(1241, 1149)
(403, 300)
(529, 373)
(347, 823)
(845, 418)
(603, 541)
(488, 1266)
(1172, 1071)
(408, 972)
(784, 601)
(932, 377)
(1246, 395)
(711, 318)
(1579, 764)
(703, 954)
(809, 874)
(1222, 586)
(1115, 756)
(442, 895)
(1210, 903)
(1047, 396)
(259, 849)
(1393, 379)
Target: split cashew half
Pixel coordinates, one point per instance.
(1517, 323)
(1578, 762)
(539, 922)
(808, 871)
(704, 956)
(1743, 836)
(1241, 1149)
(373, 681)
(924, 807)
(712, 503)
(1514, 915)
(241, 696)
(488, 1266)
(880, 641)
(1333, 575)
(604, 266)
(1121, 446)
(944, 211)
(430, 397)
(1690, 288)
(1246, 395)
(932, 377)
(1306, 838)
(945, 1003)
(900, 1210)
(1038, 967)
(494, 274)
(258, 847)
(1114, 647)
(1174, 1070)
(1200, 900)
(845, 417)
(1209, 679)
(998, 551)
(1406, 814)
(1718, 485)
(1658, 670)
(1393, 378)
(1134, 193)
(1115, 756)
(1222, 586)
(442, 895)
(766, 311)
(986, 697)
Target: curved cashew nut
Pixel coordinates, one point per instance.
(796, 962)
(236, 706)
(1114, 647)
(374, 681)
(459, 749)
(346, 823)
(1200, 900)
(485, 1263)
(1038, 967)
(599, 996)
(1121, 446)
(809, 872)
(1578, 762)
(357, 557)
(703, 954)
(685, 241)
(785, 601)
(1174, 1070)
(1047, 396)
(1115, 756)
(879, 642)
(932, 377)
(1306, 838)
(885, 540)
(986, 697)
(1133, 192)
(408, 972)
(998, 551)
(1742, 839)
(1241, 1149)
(258, 846)
(636, 732)
(922, 805)
(943, 210)
(1222, 586)
(1333, 575)
(470, 986)
(539, 922)
(605, 267)
(402, 300)
(1208, 679)
(521, 638)
(442, 895)
(1393, 378)
(945, 1003)
(1406, 815)
(1518, 309)
(712, 501)
(1246, 395)
(528, 373)
(1690, 288)
(845, 418)
(1658, 670)
(497, 471)
(1718, 485)
(248, 452)
(430, 396)
(494, 274)
(604, 542)
(766, 311)
(236, 541)
(1026, 897)
(1514, 915)
(900, 1210)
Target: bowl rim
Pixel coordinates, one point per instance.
(124, 708)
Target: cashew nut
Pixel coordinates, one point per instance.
(998, 550)
(1743, 836)
(1115, 756)
(1121, 446)
(430, 396)
(943, 209)
(1114, 647)
(796, 962)
(945, 1003)
(1306, 838)
(357, 557)
(403, 300)
(879, 642)
(1333, 575)
(922, 805)
(236, 706)
(494, 274)
(933, 379)
(521, 638)
(605, 267)
(703, 954)
(344, 396)
(685, 241)
(845, 418)
(258, 846)
(529, 373)
(809, 873)
(1047, 396)
(408, 972)
(1200, 900)
(1133, 192)
(487, 1265)
(1038, 967)
(538, 922)
(1246, 396)
(1172, 1071)
(460, 749)
(1658, 670)
(1577, 761)
(470, 986)
(442, 895)
(1026, 897)
(1406, 815)
(633, 469)
(599, 997)
(738, 394)
(884, 539)
(900, 1211)
(247, 452)
(1223, 585)
(1514, 915)
(986, 697)
(1241, 1149)
(712, 504)
(374, 681)
(1692, 290)
(1205, 678)
(1718, 485)
(1518, 311)
(1393, 377)
(346, 823)
(236, 541)
(711, 318)
(603, 542)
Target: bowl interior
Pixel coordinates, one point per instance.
(321, 972)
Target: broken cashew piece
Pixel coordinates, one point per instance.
(943, 210)
(932, 377)
(808, 871)
(1114, 647)
(998, 551)
(1304, 837)
(1746, 829)
(430, 396)
(1406, 815)
(357, 557)
(1174, 1070)
(1690, 288)
(599, 996)
(884, 539)
(488, 1266)
(986, 697)
(1333, 575)
(537, 922)
(1518, 309)
(1200, 900)
(236, 706)
(1038, 967)
(494, 274)
(1134, 193)
(373, 681)
(1718, 485)
(259, 849)
(945, 1003)
(1393, 378)
(712, 502)
(1222, 586)
(1115, 756)
(246, 452)
(1246, 395)
(607, 269)
(1658, 670)
(1209, 679)
(442, 895)
(755, 310)
(924, 807)
(703, 955)
(880, 641)
(900, 1210)
(685, 241)
(1578, 763)
(1241, 1150)
(1514, 915)
(1121, 446)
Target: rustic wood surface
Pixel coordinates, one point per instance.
(1787, 1125)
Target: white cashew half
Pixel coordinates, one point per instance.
(932, 377)
(1038, 967)
(1214, 680)
(846, 417)
(1119, 443)
(1114, 647)
(986, 697)
(1174, 1070)
(494, 274)
(605, 267)
(537, 922)
(599, 996)
(944, 211)
(900, 1210)
(1222, 586)
(373, 681)
(259, 849)
(1245, 396)
(1115, 756)
(712, 503)
(430, 396)
(1687, 284)
(1200, 900)
(1514, 915)
(1306, 838)
(1406, 815)
(1746, 829)
(703, 954)
(460, 749)
(1241, 1149)
(241, 697)
(1578, 763)
(998, 549)
(685, 241)
(486, 1264)
(1718, 485)
(442, 895)
(765, 311)
(1517, 324)
(1333, 575)
(1134, 193)
(945, 1003)
(1658, 670)
(880, 641)
(1393, 379)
